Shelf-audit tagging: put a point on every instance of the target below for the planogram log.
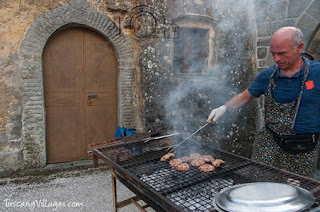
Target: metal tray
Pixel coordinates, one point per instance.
(264, 197)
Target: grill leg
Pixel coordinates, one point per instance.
(114, 191)
(95, 161)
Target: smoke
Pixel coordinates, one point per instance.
(223, 71)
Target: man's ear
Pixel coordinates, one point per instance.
(300, 47)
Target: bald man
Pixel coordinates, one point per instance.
(289, 139)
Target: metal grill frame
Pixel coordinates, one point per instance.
(158, 200)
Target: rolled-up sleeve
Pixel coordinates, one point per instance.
(259, 85)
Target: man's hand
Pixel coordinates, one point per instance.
(216, 114)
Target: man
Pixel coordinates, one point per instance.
(292, 116)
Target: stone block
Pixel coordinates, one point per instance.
(262, 63)
(262, 52)
(277, 11)
(314, 10)
(267, 29)
(265, 41)
(307, 25)
(296, 7)
(264, 29)
(11, 160)
(315, 44)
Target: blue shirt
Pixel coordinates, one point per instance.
(287, 90)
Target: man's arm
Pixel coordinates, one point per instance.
(235, 102)
(239, 100)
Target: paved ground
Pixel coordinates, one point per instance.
(80, 189)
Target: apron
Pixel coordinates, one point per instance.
(280, 118)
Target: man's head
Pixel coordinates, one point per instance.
(286, 45)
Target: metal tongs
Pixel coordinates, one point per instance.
(174, 147)
(159, 137)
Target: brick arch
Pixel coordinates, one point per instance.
(313, 47)
(30, 57)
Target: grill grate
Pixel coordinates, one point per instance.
(163, 178)
(193, 190)
(199, 197)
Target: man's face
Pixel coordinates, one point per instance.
(284, 54)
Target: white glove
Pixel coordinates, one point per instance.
(216, 113)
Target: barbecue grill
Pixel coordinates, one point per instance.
(165, 189)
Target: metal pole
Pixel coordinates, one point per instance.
(114, 191)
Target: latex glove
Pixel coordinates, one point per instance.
(216, 113)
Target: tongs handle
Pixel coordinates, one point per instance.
(173, 148)
(159, 137)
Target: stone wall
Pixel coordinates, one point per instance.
(273, 14)
(26, 29)
(16, 17)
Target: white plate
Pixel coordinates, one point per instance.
(264, 197)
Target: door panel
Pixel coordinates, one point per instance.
(100, 70)
(62, 59)
(78, 62)
(100, 123)
(63, 134)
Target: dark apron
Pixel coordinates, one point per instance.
(280, 118)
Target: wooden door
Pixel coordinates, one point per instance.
(80, 83)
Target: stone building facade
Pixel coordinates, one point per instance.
(155, 93)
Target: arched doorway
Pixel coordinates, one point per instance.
(80, 76)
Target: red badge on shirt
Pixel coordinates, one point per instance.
(309, 84)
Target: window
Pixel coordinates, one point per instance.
(191, 50)
(193, 44)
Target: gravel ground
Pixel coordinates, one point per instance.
(85, 189)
